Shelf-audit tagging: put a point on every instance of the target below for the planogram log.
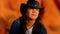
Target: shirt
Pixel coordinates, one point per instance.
(29, 31)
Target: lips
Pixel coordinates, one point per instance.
(33, 14)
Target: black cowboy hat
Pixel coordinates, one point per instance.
(31, 4)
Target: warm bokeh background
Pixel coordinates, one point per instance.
(9, 11)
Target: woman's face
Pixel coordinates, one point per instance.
(32, 13)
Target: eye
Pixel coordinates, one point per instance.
(37, 9)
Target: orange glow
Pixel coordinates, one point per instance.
(10, 10)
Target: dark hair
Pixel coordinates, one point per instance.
(23, 10)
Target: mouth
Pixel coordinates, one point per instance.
(33, 14)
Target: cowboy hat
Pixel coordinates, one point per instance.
(31, 4)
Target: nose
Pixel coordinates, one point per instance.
(34, 10)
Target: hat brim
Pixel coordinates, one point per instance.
(23, 6)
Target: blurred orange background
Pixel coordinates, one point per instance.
(10, 10)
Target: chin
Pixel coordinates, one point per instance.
(33, 18)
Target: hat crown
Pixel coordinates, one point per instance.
(33, 3)
(30, 4)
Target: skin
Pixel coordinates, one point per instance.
(32, 15)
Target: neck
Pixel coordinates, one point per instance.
(30, 23)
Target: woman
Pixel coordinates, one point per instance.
(30, 22)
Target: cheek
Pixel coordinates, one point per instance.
(28, 13)
(37, 12)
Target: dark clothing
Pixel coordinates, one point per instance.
(18, 28)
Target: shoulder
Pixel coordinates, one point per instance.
(17, 21)
(15, 26)
(42, 28)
